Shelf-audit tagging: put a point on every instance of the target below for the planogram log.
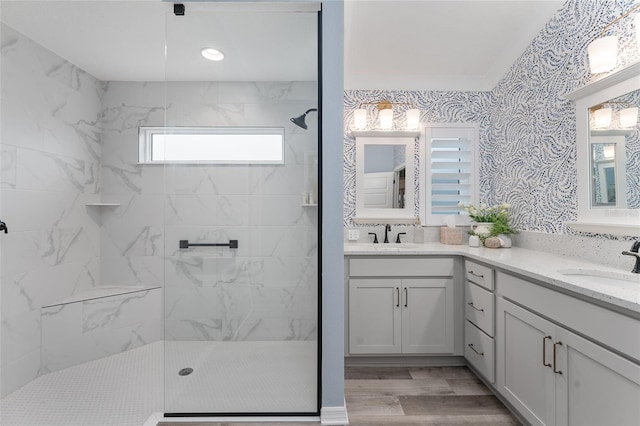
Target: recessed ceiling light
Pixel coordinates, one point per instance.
(212, 54)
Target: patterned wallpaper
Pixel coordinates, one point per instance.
(527, 128)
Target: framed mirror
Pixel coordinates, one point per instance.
(385, 177)
(608, 154)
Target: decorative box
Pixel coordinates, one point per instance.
(451, 236)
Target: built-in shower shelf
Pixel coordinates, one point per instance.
(309, 205)
(102, 204)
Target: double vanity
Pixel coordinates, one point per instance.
(557, 339)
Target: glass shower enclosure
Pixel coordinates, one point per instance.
(162, 210)
(241, 290)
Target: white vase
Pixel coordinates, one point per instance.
(482, 229)
(474, 241)
(505, 241)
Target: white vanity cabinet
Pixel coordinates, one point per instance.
(401, 306)
(550, 374)
(479, 344)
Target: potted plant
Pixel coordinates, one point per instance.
(490, 221)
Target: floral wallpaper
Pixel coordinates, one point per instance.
(527, 128)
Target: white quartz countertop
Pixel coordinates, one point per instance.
(537, 265)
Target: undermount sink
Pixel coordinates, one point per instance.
(602, 277)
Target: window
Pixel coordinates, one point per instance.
(449, 176)
(211, 145)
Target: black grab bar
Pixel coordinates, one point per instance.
(231, 244)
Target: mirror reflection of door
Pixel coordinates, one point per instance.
(378, 190)
(607, 171)
(384, 176)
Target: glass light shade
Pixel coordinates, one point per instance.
(360, 119)
(603, 54)
(609, 152)
(602, 118)
(413, 118)
(629, 117)
(385, 118)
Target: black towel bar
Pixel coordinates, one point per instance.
(231, 244)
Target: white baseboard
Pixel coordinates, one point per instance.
(334, 415)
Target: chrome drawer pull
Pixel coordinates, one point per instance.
(474, 274)
(471, 304)
(474, 349)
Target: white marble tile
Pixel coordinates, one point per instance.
(267, 92)
(63, 245)
(20, 335)
(19, 372)
(8, 166)
(30, 210)
(277, 210)
(131, 270)
(21, 251)
(61, 323)
(99, 343)
(133, 240)
(35, 288)
(140, 94)
(207, 210)
(120, 311)
(193, 328)
(47, 172)
(135, 210)
(210, 179)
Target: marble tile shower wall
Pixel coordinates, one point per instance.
(264, 290)
(50, 169)
(527, 128)
(69, 139)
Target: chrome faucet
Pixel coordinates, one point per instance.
(634, 252)
(387, 229)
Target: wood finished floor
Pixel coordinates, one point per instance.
(412, 397)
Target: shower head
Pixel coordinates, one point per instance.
(300, 120)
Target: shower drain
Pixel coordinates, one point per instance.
(185, 371)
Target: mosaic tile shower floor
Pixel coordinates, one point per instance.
(125, 389)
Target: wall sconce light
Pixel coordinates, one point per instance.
(385, 115)
(603, 115)
(629, 116)
(413, 118)
(609, 152)
(360, 119)
(602, 118)
(603, 51)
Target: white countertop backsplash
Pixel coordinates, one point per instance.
(536, 264)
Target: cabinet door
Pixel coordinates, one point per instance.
(524, 345)
(374, 316)
(595, 386)
(427, 315)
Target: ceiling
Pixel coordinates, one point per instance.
(438, 45)
(389, 44)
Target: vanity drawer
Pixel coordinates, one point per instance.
(401, 267)
(479, 351)
(479, 274)
(479, 307)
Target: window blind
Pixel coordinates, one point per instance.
(450, 172)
